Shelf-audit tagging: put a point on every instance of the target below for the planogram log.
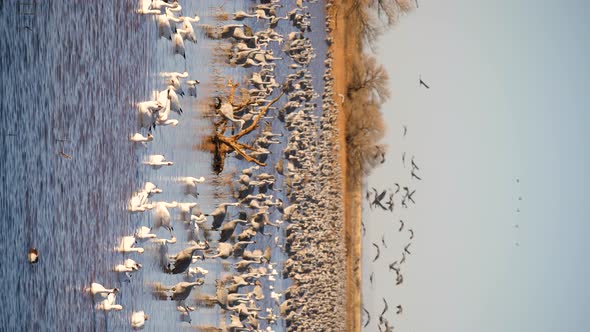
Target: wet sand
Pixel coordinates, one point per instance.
(345, 44)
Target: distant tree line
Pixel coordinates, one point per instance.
(368, 81)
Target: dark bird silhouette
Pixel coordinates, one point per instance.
(378, 198)
(403, 257)
(404, 159)
(371, 278)
(397, 187)
(407, 190)
(383, 312)
(383, 240)
(409, 196)
(382, 157)
(368, 317)
(411, 233)
(393, 267)
(363, 227)
(405, 130)
(414, 164)
(399, 309)
(404, 204)
(415, 176)
(401, 225)
(406, 249)
(378, 252)
(391, 202)
(368, 195)
(399, 279)
(423, 83)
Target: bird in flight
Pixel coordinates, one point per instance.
(414, 164)
(409, 196)
(406, 248)
(391, 203)
(392, 266)
(404, 159)
(368, 316)
(422, 83)
(399, 279)
(403, 257)
(401, 225)
(378, 252)
(363, 226)
(384, 311)
(371, 278)
(411, 233)
(405, 130)
(415, 176)
(383, 240)
(399, 309)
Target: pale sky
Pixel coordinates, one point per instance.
(509, 99)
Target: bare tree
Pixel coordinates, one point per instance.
(372, 77)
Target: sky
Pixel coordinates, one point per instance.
(508, 99)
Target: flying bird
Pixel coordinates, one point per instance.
(399, 279)
(403, 257)
(406, 249)
(368, 316)
(371, 278)
(383, 240)
(404, 159)
(411, 233)
(409, 196)
(378, 252)
(405, 130)
(422, 83)
(414, 164)
(363, 226)
(399, 309)
(415, 176)
(401, 225)
(383, 312)
(392, 267)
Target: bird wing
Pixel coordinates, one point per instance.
(406, 248)
(378, 252)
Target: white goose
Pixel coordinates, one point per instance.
(151, 189)
(139, 138)
(178, 44)
(174, 101)
(145, 8)
(109, 304)
(156, 161)
(185, 210)
(97, 289)
(192, 87)
(138, 319)
(126, 245)
(162, 215)
(172, 240)
(144, 233)
(198, 272)
(174, 80)
(146, 113)
(196, 221)
(187, 30)
(190, 184)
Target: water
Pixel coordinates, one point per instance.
(71, 74)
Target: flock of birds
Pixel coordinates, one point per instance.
(314, 300)
(388, 200)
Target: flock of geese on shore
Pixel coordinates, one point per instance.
(311, 225)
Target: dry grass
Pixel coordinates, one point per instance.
(356, 26)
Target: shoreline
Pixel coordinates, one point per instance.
(342, 47)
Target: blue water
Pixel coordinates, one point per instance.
(73, 72)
